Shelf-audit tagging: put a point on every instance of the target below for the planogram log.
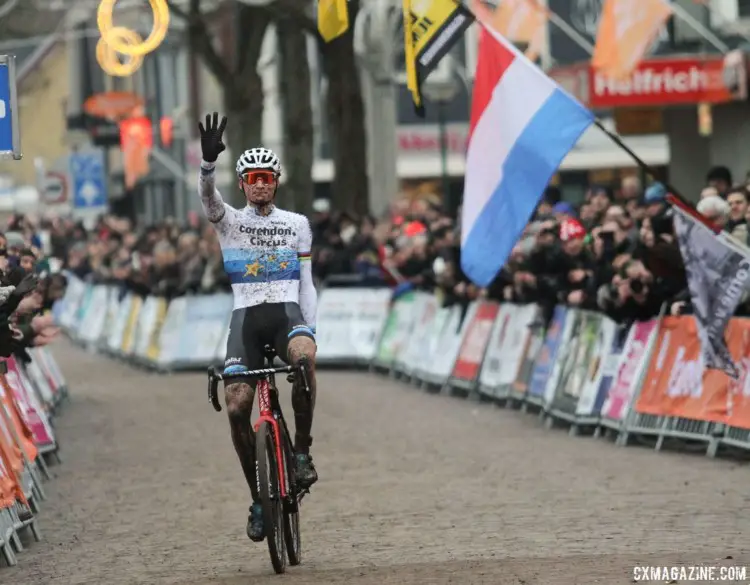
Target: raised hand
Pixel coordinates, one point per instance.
(211, 137)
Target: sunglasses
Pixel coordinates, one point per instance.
(265, 177)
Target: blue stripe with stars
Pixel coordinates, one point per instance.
(247, 277)
(248, 265)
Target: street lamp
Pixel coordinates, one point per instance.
(442, 91)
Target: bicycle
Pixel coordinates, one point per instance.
(274, 459)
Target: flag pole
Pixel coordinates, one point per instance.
(673, 195)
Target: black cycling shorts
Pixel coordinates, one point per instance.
(252, 328)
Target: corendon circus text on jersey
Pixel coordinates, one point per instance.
(270, 237)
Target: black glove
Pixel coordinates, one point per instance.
(211, 143)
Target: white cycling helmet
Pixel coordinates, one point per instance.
(258, 159)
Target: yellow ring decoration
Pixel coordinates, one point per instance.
(117, 42)
(107, 56)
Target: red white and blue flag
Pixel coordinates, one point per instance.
(522, 127)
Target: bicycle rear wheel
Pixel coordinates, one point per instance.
(291, 509)
(270, 494)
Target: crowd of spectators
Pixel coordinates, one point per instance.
(167, 260)
(615, 252)
(27, 290)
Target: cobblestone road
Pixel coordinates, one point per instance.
(414, 489)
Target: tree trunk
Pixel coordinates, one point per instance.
(236, 72)
(294, 87)
(346, 118)
(243, 103)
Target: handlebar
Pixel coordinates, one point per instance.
(214, 378)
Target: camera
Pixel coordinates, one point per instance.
(607, 237)
(637, 286)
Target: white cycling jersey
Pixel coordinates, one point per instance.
(267, 257)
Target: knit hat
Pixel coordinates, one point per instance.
(572, 229)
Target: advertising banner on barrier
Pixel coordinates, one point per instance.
(371, 311)
(534, 343)
(545, 361)
(160, 315)
(449, 345)
(40, 362)
(350, 322)
(36, 377)
(54, 366)
(677, 382)
(117, 332)
(609, 367)
(12, 409)
(426, 310)
(335, 313)
(31, 411)
(555, 397)
(579, 360)
(204, 323)
(36, 395)
(397, 329)
(169, 339)
(432, 339)
(629, 370)
(7, 481)
(94, 315)
(10, 450)
(83, 307)
(146, 321)
(489, 376)
(594, 366)
(110, 320)
(474, 343)
(74, 294)
(515, 346)
(129, 332)
(738, 397)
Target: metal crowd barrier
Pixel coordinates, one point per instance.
(644, 384)
(31, 395)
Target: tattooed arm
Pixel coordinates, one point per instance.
(213, 205)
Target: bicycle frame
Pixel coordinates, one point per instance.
(268, 404)
(269, 411)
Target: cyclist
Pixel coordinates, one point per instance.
(266, 254)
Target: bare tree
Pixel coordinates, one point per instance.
(294, 87)
(346, 115)
(243, 93)
(345, 110)
(237, 74)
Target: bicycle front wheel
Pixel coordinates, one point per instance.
(291, 509)
(270, 495)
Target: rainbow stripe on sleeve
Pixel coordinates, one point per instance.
(304, 256)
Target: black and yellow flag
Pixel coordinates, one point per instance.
(333, 19)
(431, 28)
